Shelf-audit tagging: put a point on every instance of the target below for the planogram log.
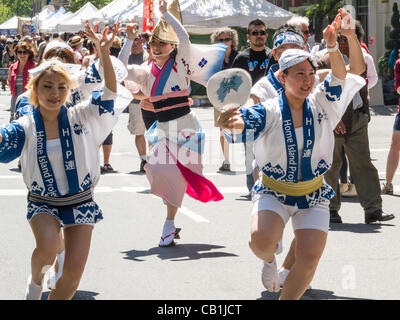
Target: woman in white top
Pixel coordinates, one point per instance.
(60, 164)
(293, 136)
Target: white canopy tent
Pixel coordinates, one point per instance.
(217, 13)
(77, 21)
(55, 18)
(116, 7)
(220, 13)
(42, 16)
(10, 26)
(52, 27)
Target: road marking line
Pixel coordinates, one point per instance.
(193, 215)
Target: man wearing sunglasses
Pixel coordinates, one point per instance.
(255, 58)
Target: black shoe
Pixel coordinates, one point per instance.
(378, 215)
(142, 164)
(334, 217)
(226, 166)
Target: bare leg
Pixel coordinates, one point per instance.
(46, 232)
(140, 143)
(291, 256)
(310, 244)
(77, 245)
(171, 211)
(106, 153)
(393, 157)
(224, 145)
(266, 231)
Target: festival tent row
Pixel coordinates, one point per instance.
(77, 21)
(197, 15)
(116, 7)
(74, 22)
(42, 16)
(61, 13)
(215, 13)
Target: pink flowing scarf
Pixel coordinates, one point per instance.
(199, 187)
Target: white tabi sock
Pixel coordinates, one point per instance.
(53, 276)
(144, 157)
(169, 227)
(60, 260)
(33, 290)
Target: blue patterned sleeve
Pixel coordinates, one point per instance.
(333, 95)
(22, 106)
(254, 123)
(13, 140)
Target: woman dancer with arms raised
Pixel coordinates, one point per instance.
(60, 164)
(294, 146)
(177, 136)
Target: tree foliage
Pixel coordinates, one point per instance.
(322, 10)
(21, 8)
(394, 36)
(4, 13)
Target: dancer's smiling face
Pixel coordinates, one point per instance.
(160, 49)
(299, 80)
(52, 91)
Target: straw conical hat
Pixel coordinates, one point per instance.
(163, 31)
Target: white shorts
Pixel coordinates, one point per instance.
(136, 124)
(316, 217)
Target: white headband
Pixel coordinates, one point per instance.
(288, 37)
(71, 68)
(56, 44)
(291, 57)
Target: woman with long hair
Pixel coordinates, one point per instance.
(18, 76)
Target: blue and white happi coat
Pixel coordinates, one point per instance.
(82, 130)
(276, 151)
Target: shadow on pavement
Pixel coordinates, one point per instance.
(147, 191)
(384, 110)
(180, 252)
(358, 227)
(311, 294)
(137, 173)
(79, 295)
(231, 173)
(350, 200)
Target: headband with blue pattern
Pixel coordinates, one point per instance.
(288, 37)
